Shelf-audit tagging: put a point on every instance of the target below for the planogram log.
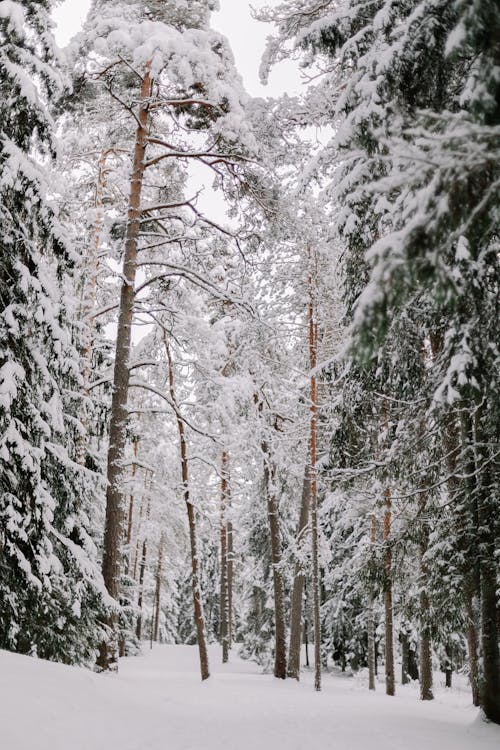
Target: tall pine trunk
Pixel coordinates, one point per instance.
(113, 530)
(224, 604)
(159, 571)
(230, 577)
(142, 570)
(313, 340)
(298, 581)
(195, 563)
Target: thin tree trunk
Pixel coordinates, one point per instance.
(127, 560)
(142, 568)
(195, 563)
(137, 541)
(390, 686)
(448, 668)
(230, 578)
(298, 581)
(131, 501)
(313, 339)
(371, 618)
(224, 625)
(276, 555)
(426, 693)
(113, 531)
(413, 664)
(159, 570)
(230, 565)
(405, 657)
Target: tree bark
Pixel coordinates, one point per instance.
(195, 565)
(405, 657)
(371, 618)
(298, 581)
(448, 667)
(390, 686)
(159, 570)
(131, 501)
(426, 693)
(224, 624)
(113, 531)
(230, 578)
(142, 568)
(313, 341)
(127, 558)
(276, 556)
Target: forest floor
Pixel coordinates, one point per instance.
(157, 702)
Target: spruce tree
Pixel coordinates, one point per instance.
(49, 585)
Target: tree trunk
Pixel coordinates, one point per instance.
(230, 578)
(405, 658)
(371, 618)
(131, 502)
(413, 664)
(108, 652)
(137, 540)
(313, 341)
(448, 667)
(471, 582)
(142, 568)
(127, 558)
(224, 624)
(298, 581)
(195, 564)
(390, 686)
(156, 622)
(487, 511)
(472, 644)
(276, 556)
(426, 693)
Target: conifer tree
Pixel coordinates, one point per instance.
(49, 584)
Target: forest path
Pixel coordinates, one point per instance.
(157, 702)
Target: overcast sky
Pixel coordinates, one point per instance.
(246, 36)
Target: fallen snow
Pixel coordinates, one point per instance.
(157, 702)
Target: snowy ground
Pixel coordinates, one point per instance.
(157, 702)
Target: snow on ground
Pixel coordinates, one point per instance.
(157, 702)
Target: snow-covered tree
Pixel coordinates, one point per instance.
(49, 583)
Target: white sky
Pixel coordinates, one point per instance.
(246, 36)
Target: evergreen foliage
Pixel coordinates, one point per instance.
(49, 585)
